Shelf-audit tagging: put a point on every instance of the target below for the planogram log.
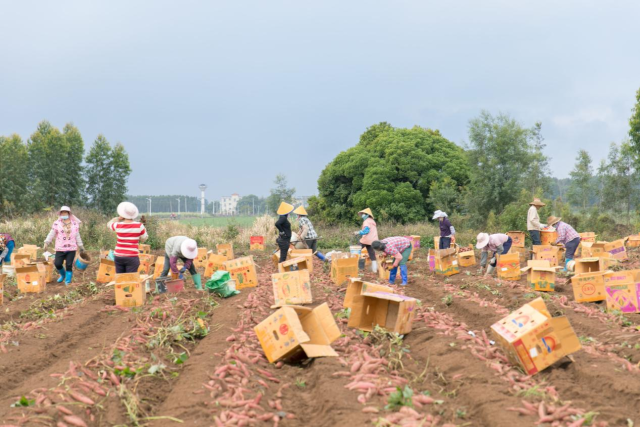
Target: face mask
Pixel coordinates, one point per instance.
(64, 216)
(365, 216)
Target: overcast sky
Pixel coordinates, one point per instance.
(231, 93)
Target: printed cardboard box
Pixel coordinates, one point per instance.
(130, 290)
(622, 276)
(144, 249)
(436, 241)
(47, 267)
(275, 258)
(2, 277)
(633, 241)
(31, 279)
(547, 253)
(293, 264)
(447, 262)
(295, 331)
(588, 236)
(385, 264)
(31, 250)
(201, 260)
(106, 271)
(432, 260)
(343, 267)
(540, 275)
(466, 256)
(215, 262)
(145, 264)
(588, 265)
(523, 252)
(243, 271)
(226, 250)
(548, 237)
(508, 266)
(533, 339)
(517, 238)
(359, 287)
(20, 260)
(617, 250)
(256, 243)
(589, 287)
(593, 249)
(306, 253)
(393, 312)
(158, 266)
(291, 288)
(623, 296)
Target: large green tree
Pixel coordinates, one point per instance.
(634, 125)
(620, 179)
(14, 176)
(248, 205)
(581, 188)
(392, 171)
(107, 172)
(75, 180)
(280, 193)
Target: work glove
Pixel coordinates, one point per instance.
(45, 246)
(81, 249)
(355, 233)
(453, 239)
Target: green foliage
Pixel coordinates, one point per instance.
(107, 174)
(14, 175)
(582, 186)
(281, 193)
(23, 402)
(445, 194)
(231, 231)
(400, 398)
(514, 215)
(634, 125)
(251, 204)
(620, 178)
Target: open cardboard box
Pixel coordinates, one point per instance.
(243, 271)
(344, 266)
(306, 253)
(358, 287)
(548, 237)
(589, 287)
(256, 243)
(31, 278)
(130, 289)
(214, 263)
(547, 253)
(275, 258)
(617, 250)
(31, 250)
(466, 257)
(393, 312)
(588, 236)
(144, 249)
(146, 261)
(294, 331)
(106, 271)
(447, 262)
(517, 238)
(294, 264)
(226, 250)
(508, 266)
(291, 288)
(633, 241)
(588, 265)
(623, 290)
(540, 275)
(201, 259)
(533, 339)
(20, 260)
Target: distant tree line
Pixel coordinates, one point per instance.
(50, 169)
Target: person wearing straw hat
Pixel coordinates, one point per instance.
(496, 244)
(7, 244)
(284, 229)
(447, 232)
(568, 236)
(307, 232)
(533, 221)
(129, 235)
(400, 249)
(66, 230)
(369, 233)
(184, 249)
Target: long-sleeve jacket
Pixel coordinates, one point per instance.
(495, 245)
(446, 229)
(65, 242)
(284, 227)
(173, 249)
(533, 220)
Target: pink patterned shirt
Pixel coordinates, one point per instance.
(566, 233)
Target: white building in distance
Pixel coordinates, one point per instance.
(229, 205)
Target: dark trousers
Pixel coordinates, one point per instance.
(66, 257)
(570, 248)
(445, 243)
(167, 266)
(127, 264)
(312, 244)
(535, 237)
(284, 248)
(370, 251)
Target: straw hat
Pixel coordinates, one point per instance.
(285, 208)
(482, 240)
(537, 202)
(553, 220)
(189, 249)
(64, 208)
(439, 214)
(368, 212)
(127, 210)
(300, 210)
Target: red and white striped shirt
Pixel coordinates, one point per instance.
(129, 236)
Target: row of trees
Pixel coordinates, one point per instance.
(50, 170)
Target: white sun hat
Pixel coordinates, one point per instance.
(128, 210)
(482, 240)
(189, 249)
(64, 208)
(439, 214)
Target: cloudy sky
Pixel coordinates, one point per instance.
(232, 93)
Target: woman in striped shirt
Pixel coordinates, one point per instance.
(129, 233)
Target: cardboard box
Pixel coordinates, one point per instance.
(215, 262)
(393, 312)
(31, 250)
(588, 236)
(432, 260)
(622, 276)
(623, 296)
(291, 288)
(243, 271)
(31, 279)
(416, 241)
(106, 271)
(533, 339)
(359, 287)
(436, 242)
(589, 287)
(587, 265)
(633, 241)
(385, 264)
(226, 250)
(306, 253)
(201, 260)
(293, 330)
(158, 266)
(130, 290)
(540, 275)
(593, 249)
(144, 249)
(617, 250)
(145, 264)
(548, 237)
(517, 238)
(508, 266)
(466, 257)
(20, 260)
(447, 262)
(256, 243)
(343, 267)
(294, 264)
(2, 277)
(47, 267)
(547, 253)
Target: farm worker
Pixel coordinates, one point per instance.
(129, 235)
(533, 221)
(6, 248)
(307, 232)
(494, 244)
(66, 230)
(284, 230)
(400, 249)
(447, 232)
(369, 233)
(568, 236)
(185, 249)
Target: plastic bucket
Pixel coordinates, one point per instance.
(175, 286)
(82, 262)
(355, 249)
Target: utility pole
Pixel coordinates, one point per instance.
(178, 199)
(186, 207)
(202, 188)
(149, 199)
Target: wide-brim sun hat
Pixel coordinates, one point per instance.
(368, 212)
(439, 214)
(128, 210)
(537, 202)
(189, 249)
(300, 210)
(285, 208)
(482, 240)
(553, 220)
(64, 208)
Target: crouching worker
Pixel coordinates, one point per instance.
(495, 244)
(400, 249)
(307, 233)
(568, 236)
(6, 248)
(66, 230)
(185, 249)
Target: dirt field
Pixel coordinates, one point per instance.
(78, 360)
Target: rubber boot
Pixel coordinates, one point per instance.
(566, 262)
(198, 281)
(320, 256)
(62, 272)
(392, 275)
(374, 266)
(68, 277)
(490, 269)
(404, 273)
